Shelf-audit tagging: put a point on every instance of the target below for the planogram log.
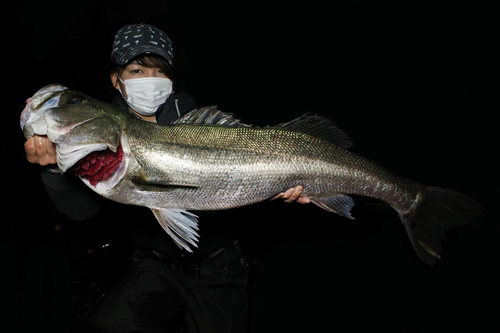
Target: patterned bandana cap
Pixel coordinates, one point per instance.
(137, 39)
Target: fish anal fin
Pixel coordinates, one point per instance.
(340, 204)
(180, 225)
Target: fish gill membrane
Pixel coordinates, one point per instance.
(208, 160)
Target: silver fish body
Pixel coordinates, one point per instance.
(218, 167)
(172, 169)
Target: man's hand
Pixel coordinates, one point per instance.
(40, 150)
(293, 194)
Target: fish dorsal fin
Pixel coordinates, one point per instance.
(210, 115)
(319, 127)
(316, 126)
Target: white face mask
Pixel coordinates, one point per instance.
(146, 94)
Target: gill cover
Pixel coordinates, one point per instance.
(79, 130)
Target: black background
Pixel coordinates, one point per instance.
(410, 82)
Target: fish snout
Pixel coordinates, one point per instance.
(44, 99)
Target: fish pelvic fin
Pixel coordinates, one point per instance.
(180, 225)
(435, 213)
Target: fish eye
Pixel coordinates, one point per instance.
(75, 100)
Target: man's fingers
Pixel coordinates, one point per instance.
(40, 147)
(292, 194)
(29, 148)
(303, 200)
(40, 150)
(277, 196)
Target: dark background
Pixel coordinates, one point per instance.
(409, 81)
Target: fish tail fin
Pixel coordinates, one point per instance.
(435, 212)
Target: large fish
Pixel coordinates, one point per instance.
(218, 163)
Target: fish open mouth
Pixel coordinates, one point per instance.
(98, 165)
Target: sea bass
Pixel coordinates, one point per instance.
(207, 160)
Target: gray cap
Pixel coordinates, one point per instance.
(137, 39)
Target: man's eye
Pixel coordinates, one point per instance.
(135, 71)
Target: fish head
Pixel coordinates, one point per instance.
(80, 126)
(32, 116)
(77, 124)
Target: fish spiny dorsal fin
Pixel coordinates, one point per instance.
(319, 127)
(210, 115)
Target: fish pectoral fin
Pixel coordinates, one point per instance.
(147, 183)
(340, 204)
(160, 186)
(179, 224)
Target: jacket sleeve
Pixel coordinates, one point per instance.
(72, 197)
